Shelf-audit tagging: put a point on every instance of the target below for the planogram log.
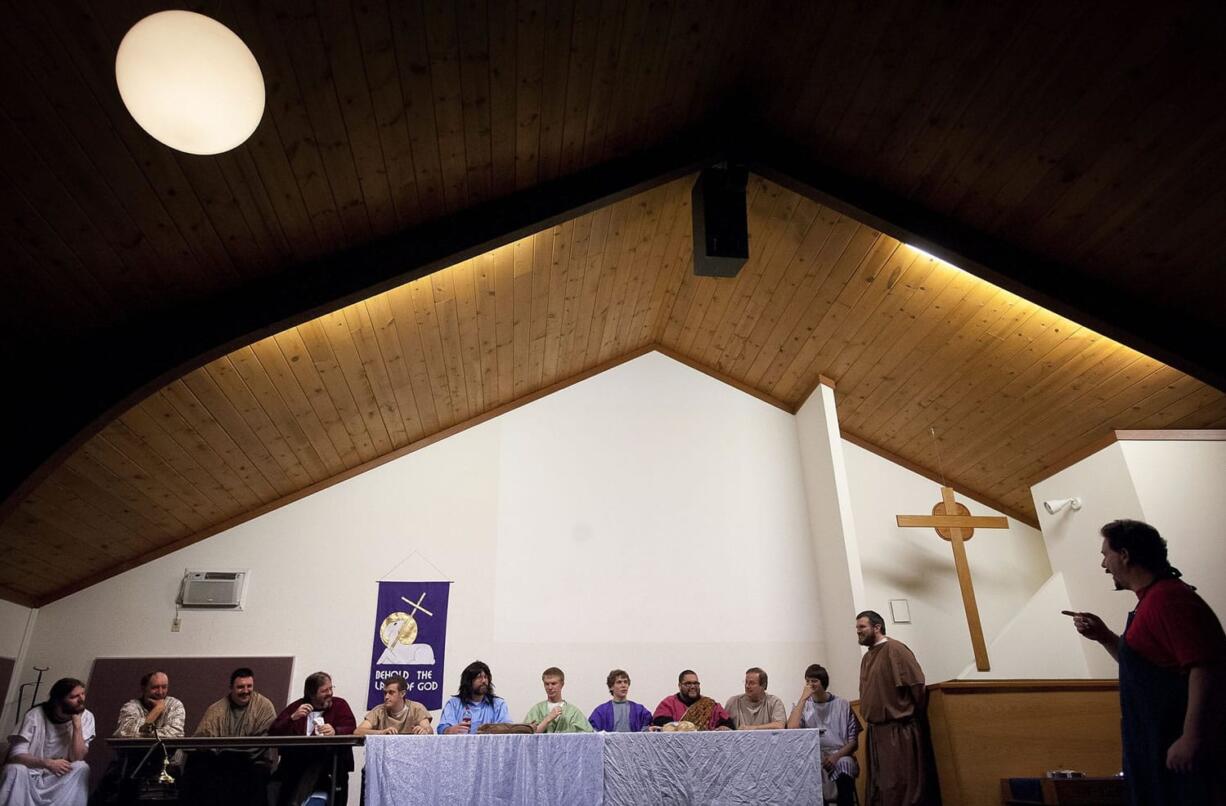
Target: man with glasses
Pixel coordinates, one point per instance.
(688, 705)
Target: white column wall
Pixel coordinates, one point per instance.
(1105, 486)
(16, 626)
(833, 531)
(1181, 485)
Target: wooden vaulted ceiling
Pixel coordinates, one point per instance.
(452, 207)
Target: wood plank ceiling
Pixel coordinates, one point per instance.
(1075, 154)
(910, 342)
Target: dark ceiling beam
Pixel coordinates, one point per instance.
(1162, 334)
(74, 390)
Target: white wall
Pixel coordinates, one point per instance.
(832, 526)
(650, 518)
(1037, 642)
(1176, 486)
(1182, 489)
(1008, 566)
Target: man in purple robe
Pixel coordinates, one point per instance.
(620, 715)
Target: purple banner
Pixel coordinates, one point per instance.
(410, 640)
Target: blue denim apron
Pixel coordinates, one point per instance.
(1153, 702)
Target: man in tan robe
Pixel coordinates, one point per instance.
(232, 777)
(892, 700)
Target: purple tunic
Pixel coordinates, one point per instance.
(602, 717)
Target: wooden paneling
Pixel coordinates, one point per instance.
(983, 732)
(908, 343)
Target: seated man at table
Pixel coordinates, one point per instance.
(46, 758)
(397, 714)
(839, 726)
(154, 712)
(474, 704)
(755, 709)
(555, 715)
(233, 777)
(688, 705)
(305, 770)
(620, 715)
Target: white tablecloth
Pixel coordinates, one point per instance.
(614, 769)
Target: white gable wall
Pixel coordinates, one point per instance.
(1008, 566)
(649, 518)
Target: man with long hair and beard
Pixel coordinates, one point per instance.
(46, 761)
(1172, 658)
(474, 704)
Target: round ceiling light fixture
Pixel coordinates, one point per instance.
(190, 82)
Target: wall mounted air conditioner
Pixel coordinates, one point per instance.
(212, 590)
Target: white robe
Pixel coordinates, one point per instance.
(40, 737)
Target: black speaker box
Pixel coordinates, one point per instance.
(721, 226)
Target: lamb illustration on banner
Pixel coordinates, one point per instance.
(399, 631)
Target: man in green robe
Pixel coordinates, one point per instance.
(555, 715)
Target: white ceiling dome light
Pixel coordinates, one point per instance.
(190, 82)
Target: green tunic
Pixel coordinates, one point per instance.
(571, 720)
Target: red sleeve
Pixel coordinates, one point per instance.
(342, 718)
(284, 726)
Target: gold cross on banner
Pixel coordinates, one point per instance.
(954, 522)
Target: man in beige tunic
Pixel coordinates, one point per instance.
(892, 700)
(755, 709)
(397, 714)
(232, 777)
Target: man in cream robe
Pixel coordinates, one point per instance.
(46, 760)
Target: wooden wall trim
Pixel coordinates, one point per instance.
(889, 455)
(338, 478)
(719, 376)
(1112, 437)
(1175, 435)
(956, 687)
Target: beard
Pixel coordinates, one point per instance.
(72, 710)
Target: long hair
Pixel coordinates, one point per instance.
(59, 690)
(1145, 546)
(314, 683)
(469, 675)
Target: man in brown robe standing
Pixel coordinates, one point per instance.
(892, 701)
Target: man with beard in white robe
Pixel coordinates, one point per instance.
(46, 761)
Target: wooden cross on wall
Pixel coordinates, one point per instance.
(954, 522)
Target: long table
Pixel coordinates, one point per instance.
(596, 769)
(335, 744)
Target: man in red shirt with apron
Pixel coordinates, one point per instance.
(1172, 656)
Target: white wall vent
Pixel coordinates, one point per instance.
(212, 590)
